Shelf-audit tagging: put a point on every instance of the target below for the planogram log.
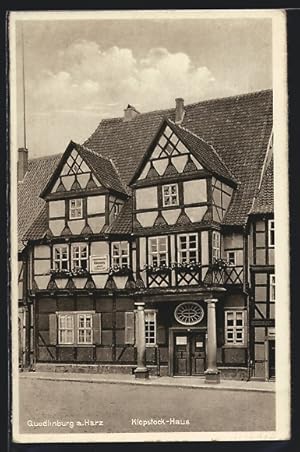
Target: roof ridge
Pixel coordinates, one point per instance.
(93, 152)
(192, 104)
(58, 154)
(208, 144)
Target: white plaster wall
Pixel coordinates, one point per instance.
(80, 282)
(42, 251)
(195, 191)
(76, 226)
(56, 226)
(160, 165)
(41, 266)
(100, 281)
(171, 216)
(83, 179)
(42, 281)
(95, 204)
(195, 213)
(233, 241)
(99, 249)
(146, 198)
(204, 248)
(147, 218)
(57, 209)
(142, 252)
(179, 162)
(68, 181)
(96, 223)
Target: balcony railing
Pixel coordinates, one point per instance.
(220, 274)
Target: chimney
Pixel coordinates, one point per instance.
(130, 113)
(179, 111)
(22, 163)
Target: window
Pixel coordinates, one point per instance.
(150, 327)
(235, 327)
(187, 248)
(231, 258)
(116, 210)
(61, 257)
(272, 287)
(84, 328)
(170, 195)
(65, 329)
(75, 209)
(158, 251)
(120, 254)
(79, 256)
(271, 225)
(75, 328)
(215, 245)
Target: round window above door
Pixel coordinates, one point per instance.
(189, 313)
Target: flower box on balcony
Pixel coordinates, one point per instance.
(157, 270)
(219, 264)
(118, 270)
(186, 267)
(76, 272)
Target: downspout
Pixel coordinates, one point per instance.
(246, 291)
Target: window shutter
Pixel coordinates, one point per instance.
(161, 335)
(52, 329)
(97, 328)
(130, 327)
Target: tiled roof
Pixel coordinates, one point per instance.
(123, 222)
(205, 153)
(103, 167)
(39, 226)
(238, 127)
(264, 202)
(30, 205)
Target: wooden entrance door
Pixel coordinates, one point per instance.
(271, 358)
(197, 344)
(189, 354)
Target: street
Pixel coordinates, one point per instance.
(80, 407)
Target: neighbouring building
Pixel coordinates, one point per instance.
(149, 248)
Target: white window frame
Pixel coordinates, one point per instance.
(80, 257)
(158, 252)
(84, 329)
(216, 245)
(234, 329)
(231, 260)
(151, 327)
(272, 288)
(75, 328)
(76, 211)
(271, 233)
(116, 210)
(117, 258)
(188, 249)
(169, 195)
(62, 317)
(59, 260)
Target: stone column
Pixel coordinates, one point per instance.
(212, 374)
(141, 371)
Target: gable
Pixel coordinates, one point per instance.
(167, 155)
(75, 175)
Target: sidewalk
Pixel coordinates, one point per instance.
(179, 382)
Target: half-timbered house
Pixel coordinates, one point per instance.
(149, 248)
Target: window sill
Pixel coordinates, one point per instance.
(76, 345)
(234, 346)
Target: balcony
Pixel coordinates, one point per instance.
(193, 274)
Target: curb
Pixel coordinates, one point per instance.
(149, 383)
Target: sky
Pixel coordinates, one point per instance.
(78, 72)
